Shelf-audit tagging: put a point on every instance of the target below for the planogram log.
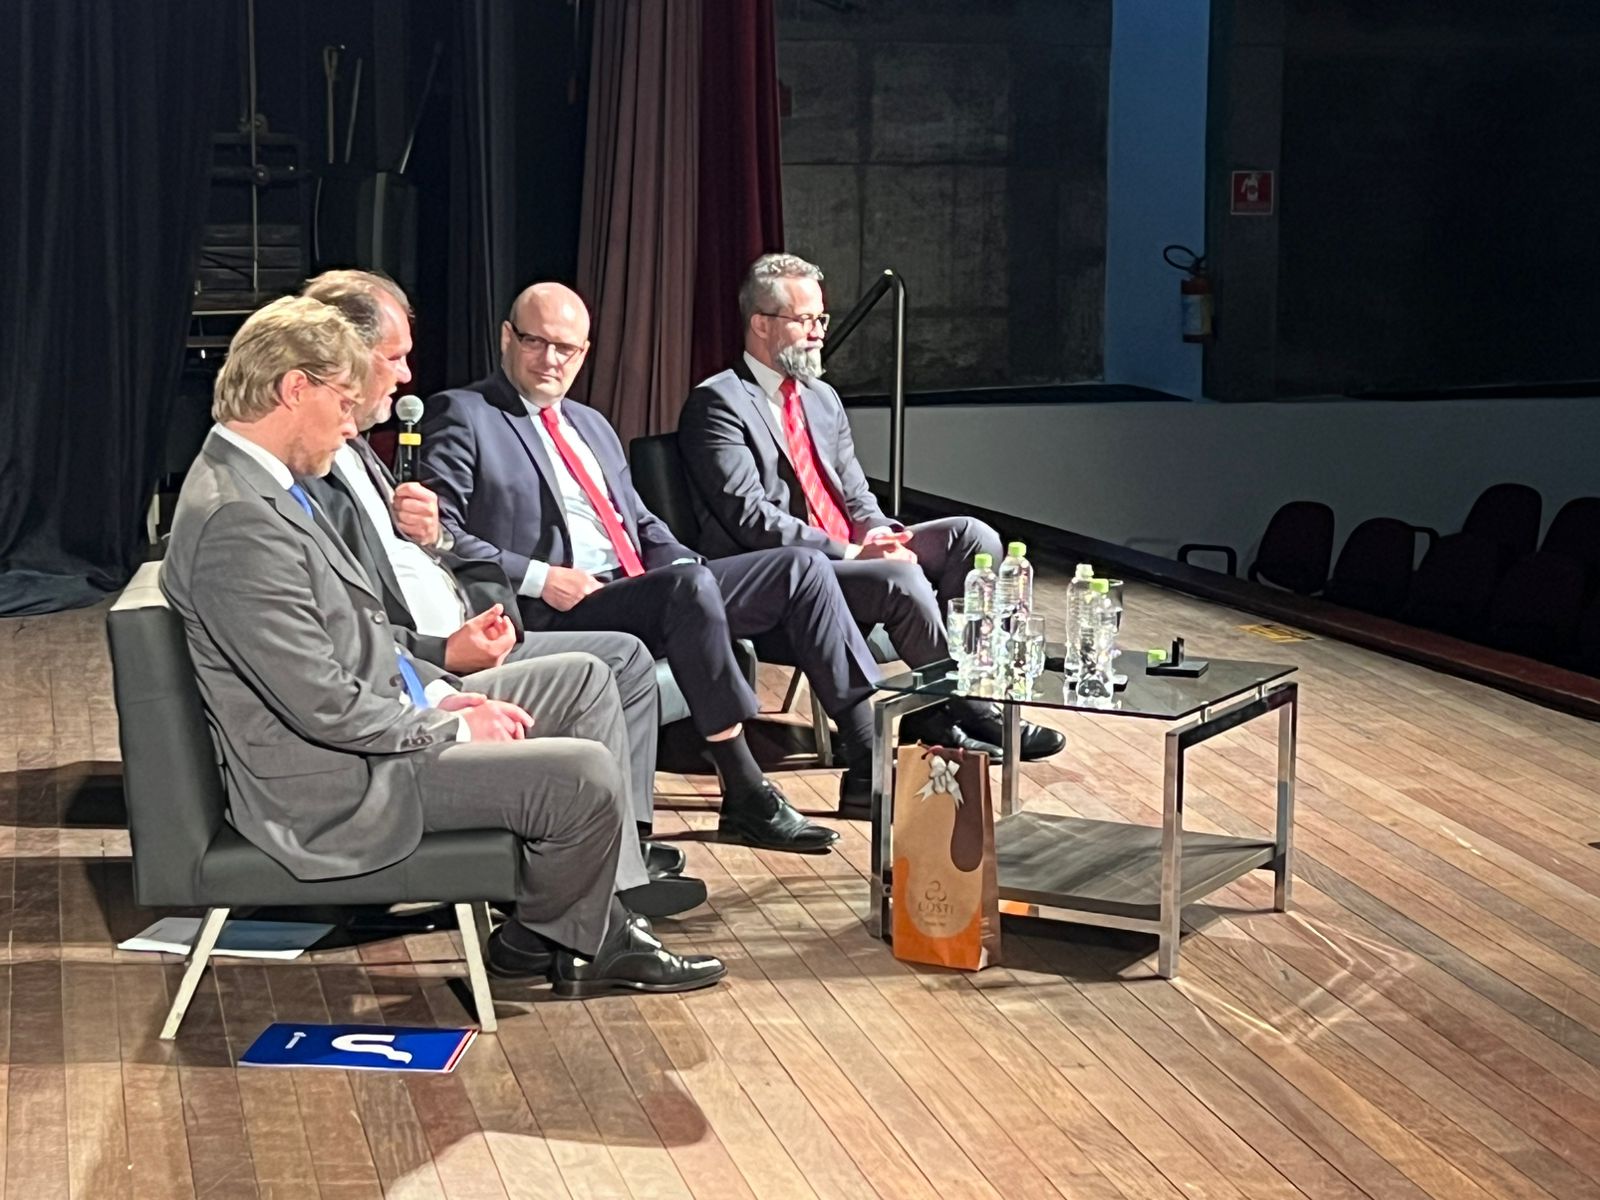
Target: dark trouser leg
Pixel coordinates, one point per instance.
(795, 590)
(678, 613)
(944, 551)
(635, 670)
(562, 797)
(899, 597)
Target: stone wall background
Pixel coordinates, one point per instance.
(963, 144)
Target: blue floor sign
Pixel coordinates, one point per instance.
(358, 1047)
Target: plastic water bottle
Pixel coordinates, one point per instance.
(979, 662)
(1079, 593)
(1097, 643)
(1013, 586)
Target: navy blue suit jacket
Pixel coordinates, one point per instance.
(499, 494)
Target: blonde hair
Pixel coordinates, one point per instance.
(292, 334)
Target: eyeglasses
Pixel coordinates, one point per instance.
(348, 403)
(809, 321)
(536, 345)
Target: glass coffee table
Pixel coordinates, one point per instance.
(1109, 873)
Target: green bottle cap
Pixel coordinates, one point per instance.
(1017, 549)
(1155, 656)
(1100, 586)
(982, 562)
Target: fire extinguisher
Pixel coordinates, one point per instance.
(1194, 293)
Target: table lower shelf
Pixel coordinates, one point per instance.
(1109, 868)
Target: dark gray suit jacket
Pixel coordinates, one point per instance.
(737, 458)
(481, 581)
(296, 663)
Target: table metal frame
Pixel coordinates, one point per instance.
(1186, 733)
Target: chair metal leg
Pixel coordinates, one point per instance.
(793, 694)
(821, 733)
(473, 920)
(199, 954)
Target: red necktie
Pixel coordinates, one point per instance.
(627, 556)
(822, 508)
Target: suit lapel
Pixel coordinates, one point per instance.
(369, 536)
(258, 479)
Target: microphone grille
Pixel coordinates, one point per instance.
(408, 409)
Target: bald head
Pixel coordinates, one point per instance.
(544, 340)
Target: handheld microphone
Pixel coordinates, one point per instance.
(409, 410)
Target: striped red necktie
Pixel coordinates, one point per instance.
(823, 510)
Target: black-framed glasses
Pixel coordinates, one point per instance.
(536, 345)
(808, 321)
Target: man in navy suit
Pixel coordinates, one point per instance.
(540, 483)
(768, 448)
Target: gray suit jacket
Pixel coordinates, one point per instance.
(296, 662)
(737, 459)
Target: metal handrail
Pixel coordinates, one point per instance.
(897, 393)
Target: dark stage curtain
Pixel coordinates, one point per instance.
(105, 115)
(741, 180)
(483, 196)
(682, 188)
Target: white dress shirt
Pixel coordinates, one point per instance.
(284, 478)
(592, 550)
(430, 594)
(770, 382)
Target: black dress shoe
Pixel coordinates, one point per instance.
(506, 961)
(665, 896)
(1037, 740)
(662, 859)
(945, 732)
(855, 793)
(763, 818)
(632, 960)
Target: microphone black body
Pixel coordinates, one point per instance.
(409, 410)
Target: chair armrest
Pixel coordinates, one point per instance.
(1428, 532)
(1230, 556)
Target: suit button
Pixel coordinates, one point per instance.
(377, 618)
(395, 681)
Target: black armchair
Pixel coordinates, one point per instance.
(186, 854)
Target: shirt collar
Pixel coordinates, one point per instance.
(533, 409)
(766, 378)
(273, 465)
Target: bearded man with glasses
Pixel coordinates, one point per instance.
(767, 446)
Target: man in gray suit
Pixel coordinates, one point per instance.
(461, 613)
(339, 749)
(767, 446)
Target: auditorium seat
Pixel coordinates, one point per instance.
(1294, 552)
(1373, 572)
(1508, 515)
(1539, 602)
(186, 854)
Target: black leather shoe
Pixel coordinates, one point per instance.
(764, 818)
(505, 961)
(631, 960)
(1037, 740)
(665, 896)
(855, 793)
(945, 732)
(662, 859)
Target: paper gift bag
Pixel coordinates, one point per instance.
(946, 889)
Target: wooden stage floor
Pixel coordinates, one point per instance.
(1425, 1022)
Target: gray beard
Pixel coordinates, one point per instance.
(799, 363)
